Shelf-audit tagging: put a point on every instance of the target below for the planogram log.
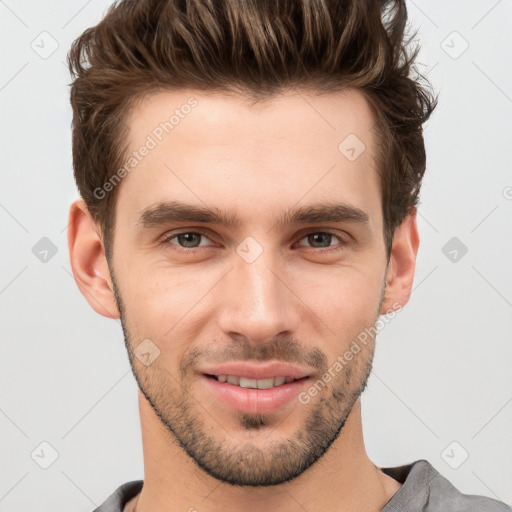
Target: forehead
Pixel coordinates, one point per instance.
(309, 118)
(209, 148)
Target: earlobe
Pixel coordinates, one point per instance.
(88, 261)
(402, 264)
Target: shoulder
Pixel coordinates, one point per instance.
(120, 497)
(443, 496)
(424, 489)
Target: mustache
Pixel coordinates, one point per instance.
(285, 350)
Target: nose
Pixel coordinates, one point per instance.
(259, 303)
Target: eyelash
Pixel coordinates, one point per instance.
(167, 241)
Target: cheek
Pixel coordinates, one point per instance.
(162, 301)
(346, 299)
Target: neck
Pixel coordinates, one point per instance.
(343, 480)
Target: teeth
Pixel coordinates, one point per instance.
(266, 383)
(233, 380)
(281, 380)
(248, 383)
(245, 382)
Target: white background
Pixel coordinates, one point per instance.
(442, 369)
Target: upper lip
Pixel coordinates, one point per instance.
(256, 370)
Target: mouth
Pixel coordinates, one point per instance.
(254, 396)
(249, 383)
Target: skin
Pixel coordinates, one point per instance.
(295, 303)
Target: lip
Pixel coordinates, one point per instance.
(254, 401)
(256, 370)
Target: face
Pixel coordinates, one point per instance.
(294, 278)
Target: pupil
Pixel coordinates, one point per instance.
(188, 235)
(321, 235)
(317, 237)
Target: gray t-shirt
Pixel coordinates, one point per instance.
(423, 489)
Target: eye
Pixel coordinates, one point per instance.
(189, 241)
(324, 238)
(186, 240)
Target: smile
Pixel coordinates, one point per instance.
(246, 382)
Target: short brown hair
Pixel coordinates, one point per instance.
(258, 48)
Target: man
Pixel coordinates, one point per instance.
(249, 173)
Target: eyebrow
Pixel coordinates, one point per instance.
(175, 211)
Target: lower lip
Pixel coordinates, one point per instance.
(255, 401)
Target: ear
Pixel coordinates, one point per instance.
(88, 261)
(402, 263)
